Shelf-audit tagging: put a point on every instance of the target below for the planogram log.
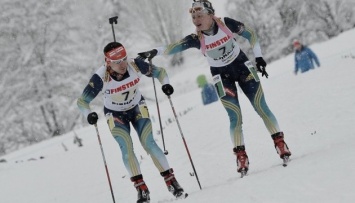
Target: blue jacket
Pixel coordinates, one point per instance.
(209, 94)
(304, 59)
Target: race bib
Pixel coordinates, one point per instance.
(110, 122)
(143, 109)
(217, 80)
(252, 70)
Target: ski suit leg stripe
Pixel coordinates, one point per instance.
(150, 146)
(235, 117)
(264, 112)
(126, 145)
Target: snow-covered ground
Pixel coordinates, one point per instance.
(316, 111)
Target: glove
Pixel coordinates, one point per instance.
(261, 65)
(92, 118)
(168, 89)
(148, 54)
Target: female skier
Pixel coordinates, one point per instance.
(124, 104)
(215, 37)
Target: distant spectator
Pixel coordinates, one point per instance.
(304, 58)
(78, 141)
(208, 92)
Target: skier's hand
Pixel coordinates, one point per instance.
(148, 54)
(168, 89)
(92, 118)
(261, 65)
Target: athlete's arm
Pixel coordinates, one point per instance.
(156, 72)
(91, 90)
(246, 32)
(190, 41)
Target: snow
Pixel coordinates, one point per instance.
(315, 110)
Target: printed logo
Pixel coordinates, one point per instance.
(115, 51)
(123, 87)
(229, 92)
(118, 120)
(250, 77)
(218, 43)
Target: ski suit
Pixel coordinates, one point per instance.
(228, 65)
(124, 104)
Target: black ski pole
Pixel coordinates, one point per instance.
(156, 100)
(113, 20)
(183, 138)
(103, 157)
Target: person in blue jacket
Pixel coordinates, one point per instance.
(208, 92)
(304, 58)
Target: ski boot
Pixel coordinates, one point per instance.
(172, 184)
(281, 147)
(242, 160)
(142, 189)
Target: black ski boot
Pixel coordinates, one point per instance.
(172, 184)
(142, 189)
(242, 160)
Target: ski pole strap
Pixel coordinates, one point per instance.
(220, 25)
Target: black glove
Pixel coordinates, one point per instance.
(261, 65)
(148, 54)
(168, 89)
(92, 118)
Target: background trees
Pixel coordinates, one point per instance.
(279, 22)
(41, 56)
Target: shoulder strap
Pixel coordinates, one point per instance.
(220, 25)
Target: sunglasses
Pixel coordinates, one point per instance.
(198, 6)
(197, 9)
(118, 61)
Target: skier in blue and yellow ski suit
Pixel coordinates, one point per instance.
(124, 104)
(215, 38)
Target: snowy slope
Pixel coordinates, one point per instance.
(315, 110)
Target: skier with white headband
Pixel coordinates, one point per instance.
(216, 38)
(124, 104)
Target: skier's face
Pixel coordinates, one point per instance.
(202, 21)
(297, 46)
(120, 67)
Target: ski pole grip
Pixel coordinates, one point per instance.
(113, 20)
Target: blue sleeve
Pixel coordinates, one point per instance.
(190, 41)
(313, 56)
(91, 90)
(296, 63)
(142, 65)
(246, 32)
(156, 72)
(234, 26)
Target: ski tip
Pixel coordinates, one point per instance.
(285, 159)
(182, 196)
(243, 173)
